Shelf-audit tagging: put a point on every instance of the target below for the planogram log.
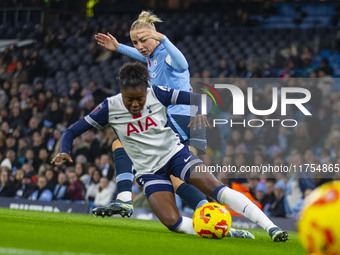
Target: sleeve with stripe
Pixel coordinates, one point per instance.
(72, 132)
(169, 96)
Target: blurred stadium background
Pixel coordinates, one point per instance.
(52, 72)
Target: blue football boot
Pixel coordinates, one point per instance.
(278, 235)
(240, 233)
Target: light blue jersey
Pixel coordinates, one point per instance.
(168, 67)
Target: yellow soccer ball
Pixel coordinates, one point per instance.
(212, 220)
(319, 226)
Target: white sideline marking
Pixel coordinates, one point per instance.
(38, 252)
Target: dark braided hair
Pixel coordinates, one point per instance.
(133, 75)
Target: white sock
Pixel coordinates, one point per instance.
(186, 226)
(124, 196)
(242, 205)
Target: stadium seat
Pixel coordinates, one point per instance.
(60, 74)
(66, 65)
(88, 59)
(75, 59)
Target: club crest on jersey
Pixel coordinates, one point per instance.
(155, 62)
(131, 128)
(149, 108)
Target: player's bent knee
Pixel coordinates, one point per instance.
(116, 144)
(163, 204)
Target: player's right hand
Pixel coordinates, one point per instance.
(107, 41)
(198, 121)
(58, 160)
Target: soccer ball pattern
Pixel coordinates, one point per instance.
(319, 226)
(212, 220)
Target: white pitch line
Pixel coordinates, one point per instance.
(39, 252)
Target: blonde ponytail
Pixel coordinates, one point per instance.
(145, 20)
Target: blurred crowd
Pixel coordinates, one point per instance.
(315, 141)
(33, 118)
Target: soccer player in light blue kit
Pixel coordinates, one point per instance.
(138, 116)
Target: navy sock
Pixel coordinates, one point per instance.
(124, 179)
(174, 227)
(216, 191)
(192, 195)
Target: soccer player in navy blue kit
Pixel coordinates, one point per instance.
(138, 116)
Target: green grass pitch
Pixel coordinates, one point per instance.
(31, 232)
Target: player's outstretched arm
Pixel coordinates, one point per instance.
(172, 97)
(107, 41)
(110, 42)
(67, 138)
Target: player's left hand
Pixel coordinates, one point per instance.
(145, 34)
(198, 121)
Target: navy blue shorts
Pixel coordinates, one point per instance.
(180, 165)
(195, 138)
